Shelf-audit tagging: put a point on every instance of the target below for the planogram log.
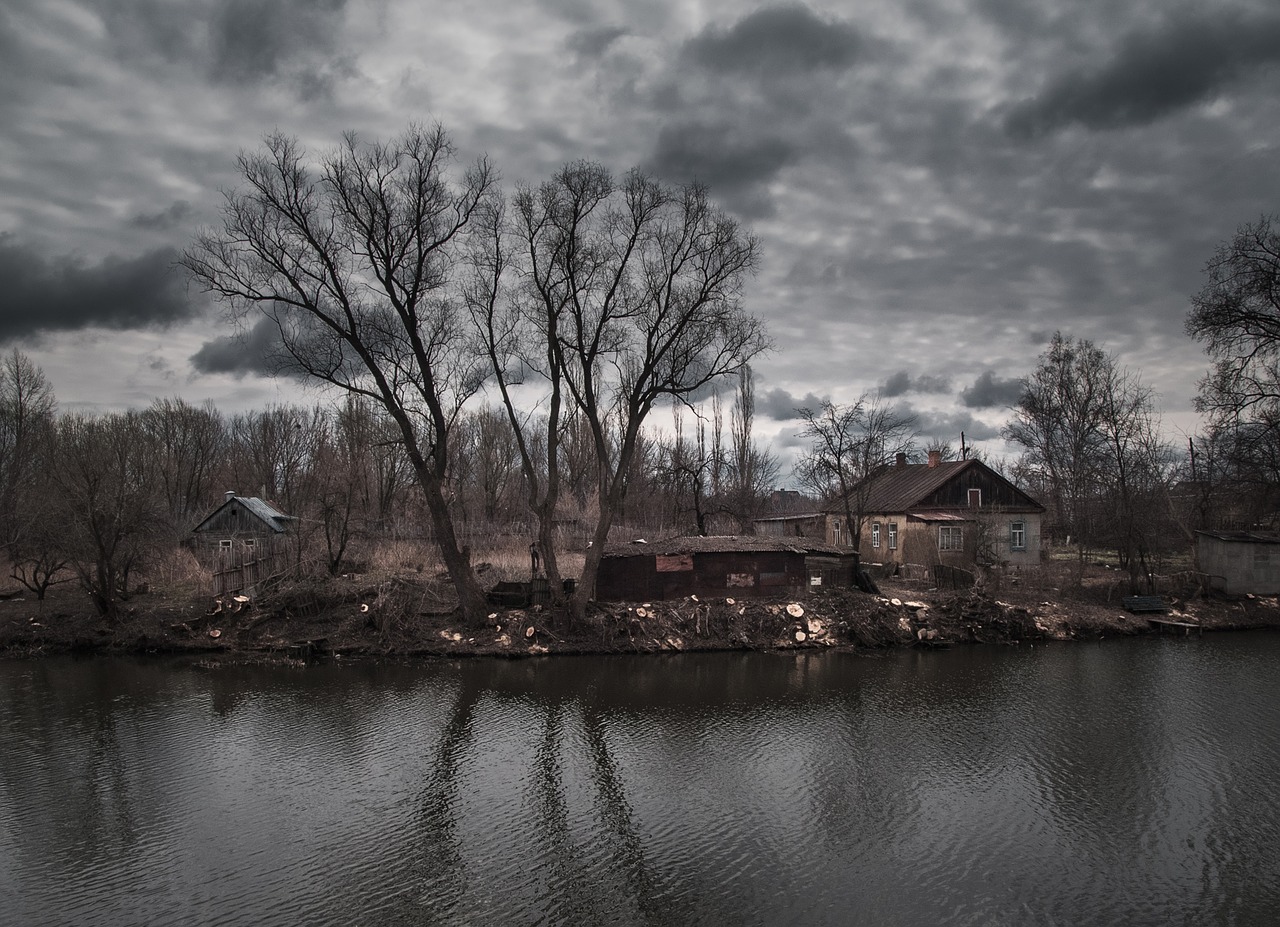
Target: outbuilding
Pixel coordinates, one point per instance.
(243, 542)
(733, 565)
(1240, 562)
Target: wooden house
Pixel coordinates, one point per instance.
(951, 513)
(1240, 562)
(735, 566)
(243, 542)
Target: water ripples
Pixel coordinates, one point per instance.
(1066, 785)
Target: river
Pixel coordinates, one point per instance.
(1126, 782)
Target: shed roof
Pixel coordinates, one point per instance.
(1244, 537)
(272, 519)
(745, 544)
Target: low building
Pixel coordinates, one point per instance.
(736, 566)
(1240, 562)
(242, 542)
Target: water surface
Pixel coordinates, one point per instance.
(1129, 783)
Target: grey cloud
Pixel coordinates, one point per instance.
(173, 217)
(776, 40)
(1153, 74)
(252, 352)
(592, 43)
(238, 41)
(732, 163)
(901, 383)
(946, 428)
(780, 405)
(990, 391)
(41, 296)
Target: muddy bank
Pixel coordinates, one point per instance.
(354, 616)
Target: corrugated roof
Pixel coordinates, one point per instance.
(265, 512)
(747, 544)
(1244, 537)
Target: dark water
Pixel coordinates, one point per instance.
(1127, 783)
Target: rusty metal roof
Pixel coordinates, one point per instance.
(737, 543)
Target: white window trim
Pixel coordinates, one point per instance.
(954, 535)
(1016, 529)
(875, 535)
(893, 535)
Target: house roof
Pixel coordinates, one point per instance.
(746, 544)
(903, 488)
(801, 516)
(271, 518)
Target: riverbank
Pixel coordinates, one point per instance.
(395, 616)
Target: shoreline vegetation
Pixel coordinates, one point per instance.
(399, 616)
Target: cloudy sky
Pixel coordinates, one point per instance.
(938, 184)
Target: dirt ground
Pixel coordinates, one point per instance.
(411, 616)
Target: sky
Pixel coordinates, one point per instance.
(937, 185)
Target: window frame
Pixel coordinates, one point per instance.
(1018, 535)
(893, 535)
(950, 537)
(875, 535)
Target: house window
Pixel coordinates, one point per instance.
(893, 535)
(250, 543)
(875, 534)
(1018, 535)
(226, 544)
(975, 498)
(837, 532)
(950, 538)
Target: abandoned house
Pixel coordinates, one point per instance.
(242, 542)
(1240, 562)
(730, 566)
(952, 513)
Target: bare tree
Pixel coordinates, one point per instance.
(190, 445)
(352, 257)
(849, 444)
(624, 294)
(105, 475)
(1092, 441)
(753, 469)
(1237, 316)
(28, 529)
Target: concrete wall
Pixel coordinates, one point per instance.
(1240, 567)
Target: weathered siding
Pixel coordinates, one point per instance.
(730, 573)
(1240, 566)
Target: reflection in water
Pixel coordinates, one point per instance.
(1053, 785)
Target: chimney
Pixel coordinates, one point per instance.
(228, 495)
(935, 458)
(901, 460)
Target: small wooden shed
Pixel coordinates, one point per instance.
(1240, 562)
(242, 542)
(740, 566)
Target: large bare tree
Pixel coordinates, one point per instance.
(616, 294)
(352, 255)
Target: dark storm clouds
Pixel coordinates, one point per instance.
(255, 351)
(1187, 60)
(42, 296)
